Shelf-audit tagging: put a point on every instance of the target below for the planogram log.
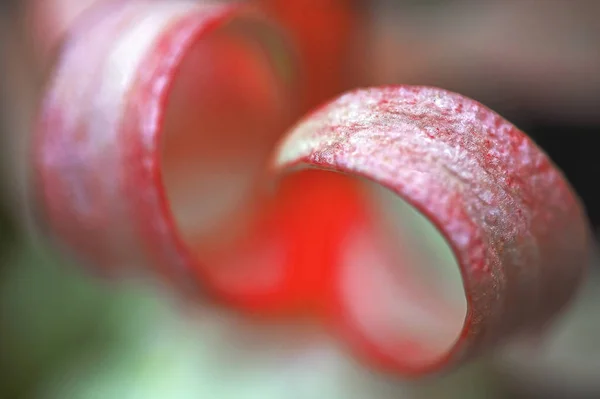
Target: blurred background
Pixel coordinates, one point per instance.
(64, 334)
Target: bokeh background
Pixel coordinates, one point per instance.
(65, 334)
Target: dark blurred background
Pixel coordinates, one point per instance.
(535, 62)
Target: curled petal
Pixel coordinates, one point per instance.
(515, 227)
(155, 129)
(132, 128)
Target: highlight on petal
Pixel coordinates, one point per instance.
(155, 107)
(515, 228)
(49, 21)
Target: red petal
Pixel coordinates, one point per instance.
(285, 263)
(149, 148)
(517, 229)
(107, 149)
(108, 162)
